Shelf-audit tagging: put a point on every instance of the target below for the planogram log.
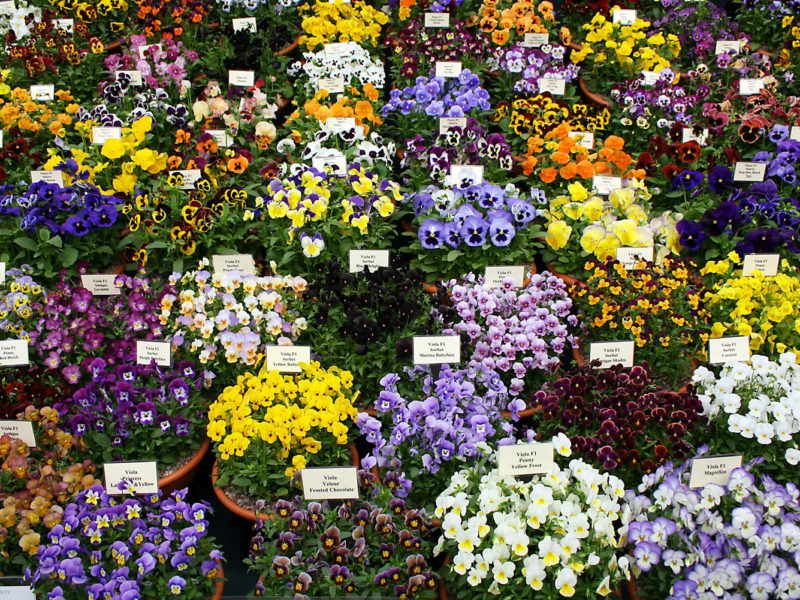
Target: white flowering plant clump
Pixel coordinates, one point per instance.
(351, 63)
(557, 535)
(754, 410)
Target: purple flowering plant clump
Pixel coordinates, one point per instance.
(136, 412)
(463, 227)
(737, 540)
(145, 547)
(520, 68)
(376, 545)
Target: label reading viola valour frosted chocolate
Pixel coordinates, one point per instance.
(330, 483)
(141, 476)
(618, 352)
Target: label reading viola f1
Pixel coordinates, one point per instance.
(330, 483)
(748, 87)
(190, 177)
(244, 23)
(438, 20)
(16, 592)
(143, 49)
(451, 68)
(149, 350)
(534, 40)
(7, 7)
(19, 430)
(337, 163)
(56, 177)
(795, 134)
(688, 135)
(43, 92)
(134, 76)
(446, 123)
(225, 263)
(101, 284)
(525, 459)
(605, 184)
(749, 171)
(612, 353)
(287, 359)
(727, 47)
(630, 256)
(101, 134)
(242, 78)
(14, 353)
(729, 349)
(584, 138)
(494, 276)
(333, 85)
(713, 469)
(557, 87)
(367, 259)
(767, 264)
(336, 49)
(437, 349)
(459, 173)
(141, 476)
(624, 17)
(222, 137)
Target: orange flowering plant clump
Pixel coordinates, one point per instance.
(558, 158)
(35, 483)
(508, 22)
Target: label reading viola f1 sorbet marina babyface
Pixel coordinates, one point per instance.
(287, 359)
(330, 483)
(525, 459)
(19, 430)
(436, 349)
(142, 476)
(713, 469)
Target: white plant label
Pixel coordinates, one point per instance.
(557, 87)
(584, 138)
(448, 68)
(67, 25)
(330, 483)
(336, 49)
(688, 135)
(101, 134)
(472, 172)
(340, 123)
(612, 353)
(749, 171)
(631, 256)
(190, 177)
(1, 138)
(222, 137)
(727, 47)
(16, 592)
(437, 20)
(494, 276)
(534, 40)
(334, 85)
(135, 76)
(101, 284)
(143, 49)
(650, 77)
(287, 359)
(56, 177)
(748, 87)
(605, 184)
(244, 23)
(226, 263)
(242, 78)
(729, 349)
(795, 134)
(337, 163)
(446, 123)
(436, 349)
(7, 7)
(141, 475)
(368, 259)
(150, 350)
(767, 264)
(14, 353)
(624, 17)
(2, 272)
(43, 92)
(713, 469)
(525, 459)
(19, 430)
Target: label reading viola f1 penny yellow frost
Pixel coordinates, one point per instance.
(525, 459)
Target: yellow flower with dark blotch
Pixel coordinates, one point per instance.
(175, 180)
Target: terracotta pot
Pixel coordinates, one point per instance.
(524, 413)
(246, 513)
(578, 357)
(186, 474)
(220, 585)
(112, 46)
(592, 97)
(568, 279)
(288, 49)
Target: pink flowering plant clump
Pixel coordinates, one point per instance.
(222, 321)
(145, 547)
(163, 65)
(738, 540)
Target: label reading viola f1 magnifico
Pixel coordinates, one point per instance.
(19, 430)
(605, 184)
(101, 284)
(767, 264)
(494, 276)
(142, 476)
(333, 85)
(729, 349)
(287, 359)
(436, 349)
(612, 353)
(190, 177)
(101, 134)
(150, 350)
(557, 87)
(330, 483)
(14, 353)
(713, 469)
(525, 459)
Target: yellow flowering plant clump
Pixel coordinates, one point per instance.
(583, 225)
(327, 22)
(35, 484)
(614, 52)
(766, 309)
(270, 425)
(659, 307)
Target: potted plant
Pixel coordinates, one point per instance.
(321, 22)
(269, 426)
(154, 547)
(534, 538)
(377, 544)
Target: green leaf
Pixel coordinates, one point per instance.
(156, 245)
(453, 255)
(56, 241)
(44, 234)
(101, 440)
(241, 482)
(26, 243)
(69, 256)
